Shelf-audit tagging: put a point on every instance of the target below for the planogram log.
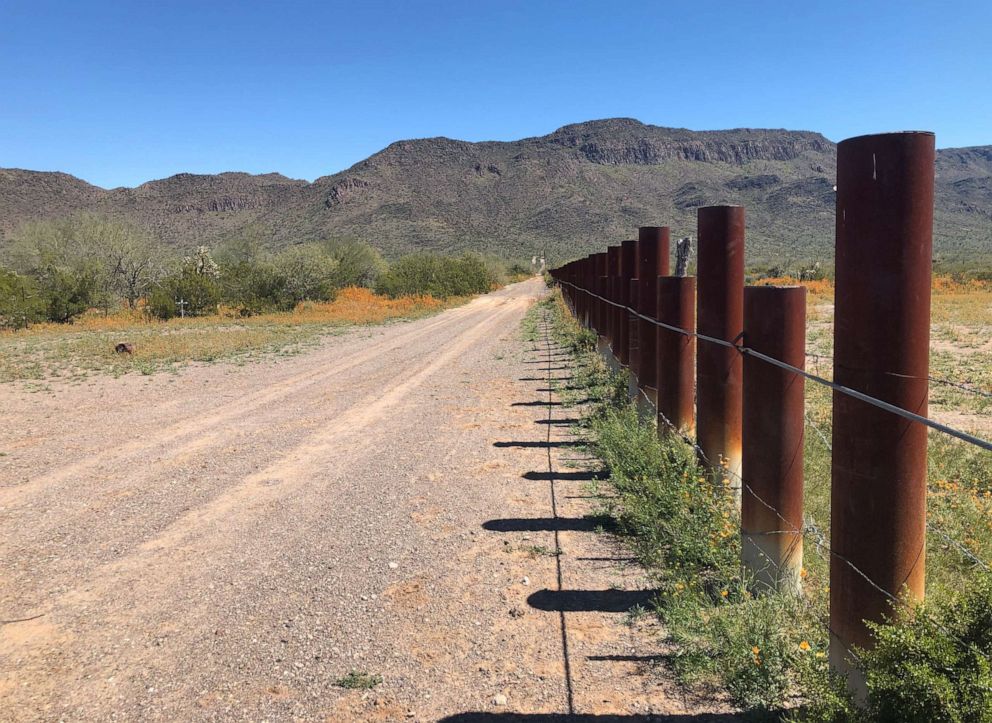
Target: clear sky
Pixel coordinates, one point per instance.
(123, 92)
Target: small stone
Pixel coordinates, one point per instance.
(499, 700)
(526, 581)
(393, 565)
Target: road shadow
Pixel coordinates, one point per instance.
(480, 717)
(550, 524)
(585, 475)
(584, 601)
(565, 421)
(539, 444)
(536, 403)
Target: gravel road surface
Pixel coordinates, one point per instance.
(228, 542)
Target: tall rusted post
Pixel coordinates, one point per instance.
(628, 259)
(773, 431)
(587, 276)
(612, 271)
(575, 276)
(601, 265)
(593, 288)
(720, 314)
(885, 193)
(652, 262)
(676, 353)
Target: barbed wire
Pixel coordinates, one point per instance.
(886, 406)
(816, 536)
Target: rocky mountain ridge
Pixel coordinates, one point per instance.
(565, 192)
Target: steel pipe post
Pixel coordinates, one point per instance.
(612, 271)
(676, 353)
(652, 262)
(773, 435)
(720, 314)
(885, 194)
(628, 258)
(587, 274)
(601, 266)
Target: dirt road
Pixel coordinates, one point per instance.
(228, 542)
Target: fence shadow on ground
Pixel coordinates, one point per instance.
(550, 524)
(589, 718)
(582, 601)
(586, 475)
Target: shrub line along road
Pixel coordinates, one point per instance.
(229, 541)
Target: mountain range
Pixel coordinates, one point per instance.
(569, 192)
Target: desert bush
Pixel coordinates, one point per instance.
(200, 293)
(439, 276)
(67, 293)
(253, 287)
(307, 272)
(358, 264)
(118, 260)
(932, 665)
(21, 302)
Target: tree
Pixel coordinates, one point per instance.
(358, 263)
(113, 260)
(21, 303)
(308, 272)
(68, 293)
(195, 285)
(439, 276)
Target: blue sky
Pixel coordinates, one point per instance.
(122, 92)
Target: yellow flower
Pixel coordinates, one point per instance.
(804, 646)
(820, 654)
(755, 650)
(724, 593)
(803, 574)
(679, 586)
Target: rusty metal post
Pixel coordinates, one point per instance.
(587, 275)
(612, 271)
(720, 314)
(628, 258)
(652, 262)
(676, 353)
(601, 265)
(593, 278)
(885, 193)
(773, 431)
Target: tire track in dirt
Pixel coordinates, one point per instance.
(64, 515)
(145, 577)
(175, 434)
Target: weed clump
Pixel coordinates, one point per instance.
(356, 680)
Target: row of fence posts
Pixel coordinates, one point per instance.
(748, 415)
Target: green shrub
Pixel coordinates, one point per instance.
(21, 302)
(68, 293)
(307, 272)
(439, 276)
(933, 665)
(358, 263)
(199, 292)
(254, 287)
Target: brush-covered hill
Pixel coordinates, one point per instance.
(568, 192)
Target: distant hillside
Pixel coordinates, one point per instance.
(568, 192)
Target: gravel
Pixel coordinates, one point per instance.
(228, 542)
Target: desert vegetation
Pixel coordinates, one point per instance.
(769, 651)
(70, 290)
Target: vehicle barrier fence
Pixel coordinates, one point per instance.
(724, 367)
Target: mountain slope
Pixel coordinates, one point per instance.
(566, 192)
